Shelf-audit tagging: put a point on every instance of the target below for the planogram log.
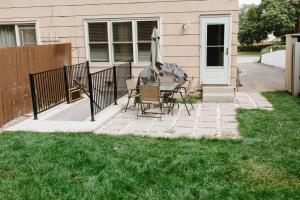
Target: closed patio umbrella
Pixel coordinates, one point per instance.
(156, 54)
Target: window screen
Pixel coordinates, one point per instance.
(7, 36)
(144, 29)
(122, 41)
(98, 41)
(27, 34)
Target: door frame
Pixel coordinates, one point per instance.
(202, 59)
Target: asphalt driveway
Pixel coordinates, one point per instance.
(257, 77)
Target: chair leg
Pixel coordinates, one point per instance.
(185, 104)
(161, 110)
(138, 110)
(127, 104)
(191, 102)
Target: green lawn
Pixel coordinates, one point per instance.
(249, 53)
(265, 164)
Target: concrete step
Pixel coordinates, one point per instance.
(218, 94)
(218, 97)
(218, 89)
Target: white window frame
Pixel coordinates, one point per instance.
(17, 32)
(109, 22)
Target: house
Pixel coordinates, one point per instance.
(198, 35)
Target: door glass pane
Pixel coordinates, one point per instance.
(215, 35)
(215, 45)
(122, 32)
(99, 52)
(123, 52)
(215, 56)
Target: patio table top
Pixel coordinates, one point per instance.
(165, 87)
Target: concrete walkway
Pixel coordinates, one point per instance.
(208, 120)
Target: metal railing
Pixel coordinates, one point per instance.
(51, 88)
(76, 76)
(107, 86)
(47, 90)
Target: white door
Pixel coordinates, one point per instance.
(215, 50)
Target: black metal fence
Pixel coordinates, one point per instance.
(47, 90)
(107, 86)
(76, 76)
(51, 88)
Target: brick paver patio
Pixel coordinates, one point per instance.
(208, 120)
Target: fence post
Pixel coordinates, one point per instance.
(130, 69)
(90, 82)
(66, 84)
(33, 96)
(115, 84)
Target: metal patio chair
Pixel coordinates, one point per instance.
(149, 95)
(132, 92)
(184, 93)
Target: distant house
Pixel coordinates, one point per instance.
(198, 35)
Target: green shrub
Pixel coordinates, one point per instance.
(275, 47)
(252, 47)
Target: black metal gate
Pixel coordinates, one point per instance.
(51, 88)
(107, 86)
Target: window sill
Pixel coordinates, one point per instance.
(106, 65)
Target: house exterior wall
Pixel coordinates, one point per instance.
(65, 20)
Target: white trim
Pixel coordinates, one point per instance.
(228, 32)
(109, 22)
(17, 32)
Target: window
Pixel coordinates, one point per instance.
(27, 34)
(144, 29)
(122, 41)
(7, 36)
(117, 41)
(17, 35)
(98, 42)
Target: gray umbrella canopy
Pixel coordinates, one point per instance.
(156, 54)
(158, 67)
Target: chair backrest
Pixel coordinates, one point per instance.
(165, 79)
(131, 84)
(189, 87)
(149, 94)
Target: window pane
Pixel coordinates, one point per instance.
(99, 52)
(144, 52)
(98, 32)
(215, 35)
(27, 34)
(123, 52)
(7, 36)
(122, 31)
(215, 56)
(145, 29)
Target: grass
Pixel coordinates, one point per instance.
(264, 164)
(249, 53)
(190, 99)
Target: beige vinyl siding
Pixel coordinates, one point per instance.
(66, 19)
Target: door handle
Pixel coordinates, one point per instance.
(227, 51)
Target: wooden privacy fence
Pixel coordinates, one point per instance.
(15, 65)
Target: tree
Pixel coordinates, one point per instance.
(296, 4)
(250, 30)
(279, 17)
